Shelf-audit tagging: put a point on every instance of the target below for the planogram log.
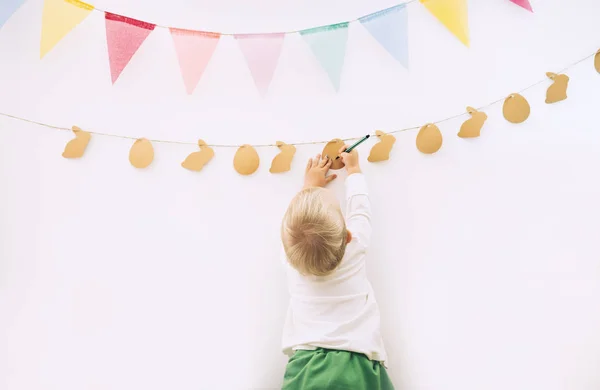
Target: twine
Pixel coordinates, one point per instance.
(50, 126)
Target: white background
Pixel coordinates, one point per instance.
(485, 256)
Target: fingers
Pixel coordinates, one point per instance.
(323, 162)
(328, 163)
(316, 161)
(330, 178)
(343, 149)
(309, 165)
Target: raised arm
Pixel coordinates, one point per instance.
(358, 209)
(358, 206)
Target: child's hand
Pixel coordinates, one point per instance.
(316, 169)
(350, 160)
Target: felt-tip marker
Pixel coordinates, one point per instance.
(360, 141)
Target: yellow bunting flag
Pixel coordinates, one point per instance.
(58, 19)
(453, 14)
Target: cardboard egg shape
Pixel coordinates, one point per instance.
(471, 128)
(283, 161)
(381, 150)
(75, 148)
(197, 160)
(429, 139)
(558, 90)
(246, 160)
(141, 153)
(332, 149)
(597, 61)
(516, 109)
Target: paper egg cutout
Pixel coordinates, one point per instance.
(597, 61)
(283, 161)
(429, 139)
(516, 108)
(246, 160)
(141, 153)
(558, 90)
(471, 128)
(381, 150)
(197, 160)
(75, 148)
(332, 150)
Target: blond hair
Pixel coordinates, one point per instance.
(314, 233)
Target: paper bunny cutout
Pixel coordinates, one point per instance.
(197, 160)
(558, 90)
(471, 128)
(283, 161)
(75, 148)
(381, 150)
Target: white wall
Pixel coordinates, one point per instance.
(485, 257)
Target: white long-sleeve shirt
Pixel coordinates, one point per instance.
(338, 311)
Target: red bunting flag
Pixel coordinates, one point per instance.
(124, 37)
(523, 3)
(194, 50)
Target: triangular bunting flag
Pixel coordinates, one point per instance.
(262, 54)
(194, 50)
(124, 37)
(58, 19)
(8, 8)
(453, 14)
(328, 44)
(523, 3)
(390, 28)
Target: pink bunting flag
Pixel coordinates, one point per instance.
(124, 37)
(262, 54)
(194, 50)
(523, 3)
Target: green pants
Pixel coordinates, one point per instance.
(326, 369)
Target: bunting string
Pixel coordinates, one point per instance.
(55, 127)
(232, 34)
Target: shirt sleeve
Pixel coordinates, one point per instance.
(358, 209)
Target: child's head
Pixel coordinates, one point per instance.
(314, 232)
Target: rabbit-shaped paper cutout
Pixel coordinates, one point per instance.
(429, 139)
(381, 150)
(283, 161)
(141, 153)
(471, 128)
(558, 90)
(246, 160)
(332, 149)
(197, 160)
(516, 108)
(75, 148)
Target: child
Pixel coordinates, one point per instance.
(332, 328)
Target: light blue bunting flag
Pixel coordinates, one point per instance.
(328, 44)
(390, 28)
(7, 8)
